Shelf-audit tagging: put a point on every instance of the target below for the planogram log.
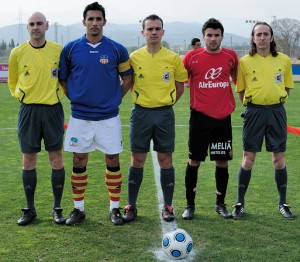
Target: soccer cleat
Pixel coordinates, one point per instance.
(75, 218)
(130, 213)
(58, 217)
(167, 213)
(116, 217)
(285, 211)
(238, 211)
(27, 217)
(222, 211)
(188, 213)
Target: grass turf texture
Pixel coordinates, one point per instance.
(263, 235)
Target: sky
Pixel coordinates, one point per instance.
(232, 13)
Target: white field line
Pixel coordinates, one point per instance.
(165, 226)
(15, 128)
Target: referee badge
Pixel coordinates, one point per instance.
(54, 72)
(166, 77)
(278, 78)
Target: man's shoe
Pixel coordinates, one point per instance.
(285, 211)
(116, 217)
(58, 217)
(167, 213)
(75, 218)
(221, 210)
(238, 211)
(130, 213)
(188, 213)
(27, 217)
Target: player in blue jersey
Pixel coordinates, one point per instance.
(90, 72)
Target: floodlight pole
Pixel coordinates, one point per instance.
(140, 21)
(251, 22)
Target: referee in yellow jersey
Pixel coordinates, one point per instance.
(33, 80)
(159, 75)
(263, 84)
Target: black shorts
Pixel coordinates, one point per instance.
(157, 124)
(37, 122)
(207, 132)
(267, 122)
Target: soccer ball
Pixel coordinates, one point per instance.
(177, 243)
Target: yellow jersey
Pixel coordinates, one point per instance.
(264, 79)
(155, 76)
(33, 73)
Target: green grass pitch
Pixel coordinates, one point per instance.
(263, 235)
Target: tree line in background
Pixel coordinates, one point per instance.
(287, 36)
(5, 48)
(10, 45)
(286, 31)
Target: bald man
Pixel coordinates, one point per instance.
(33, 80)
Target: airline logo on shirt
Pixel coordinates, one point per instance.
(212, 76)
(104, 59)
(213, 73)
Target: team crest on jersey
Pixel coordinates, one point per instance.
(104, 59)
(254, 79)
(166, 76)
(54, 72)
(278, 78)
(230, 63)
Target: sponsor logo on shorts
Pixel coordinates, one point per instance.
(221, 148)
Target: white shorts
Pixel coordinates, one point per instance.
(84, 136)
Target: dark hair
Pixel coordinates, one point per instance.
(214, 24)
(195, 40)
(94, 6)
(253, 50)
(152, 17)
